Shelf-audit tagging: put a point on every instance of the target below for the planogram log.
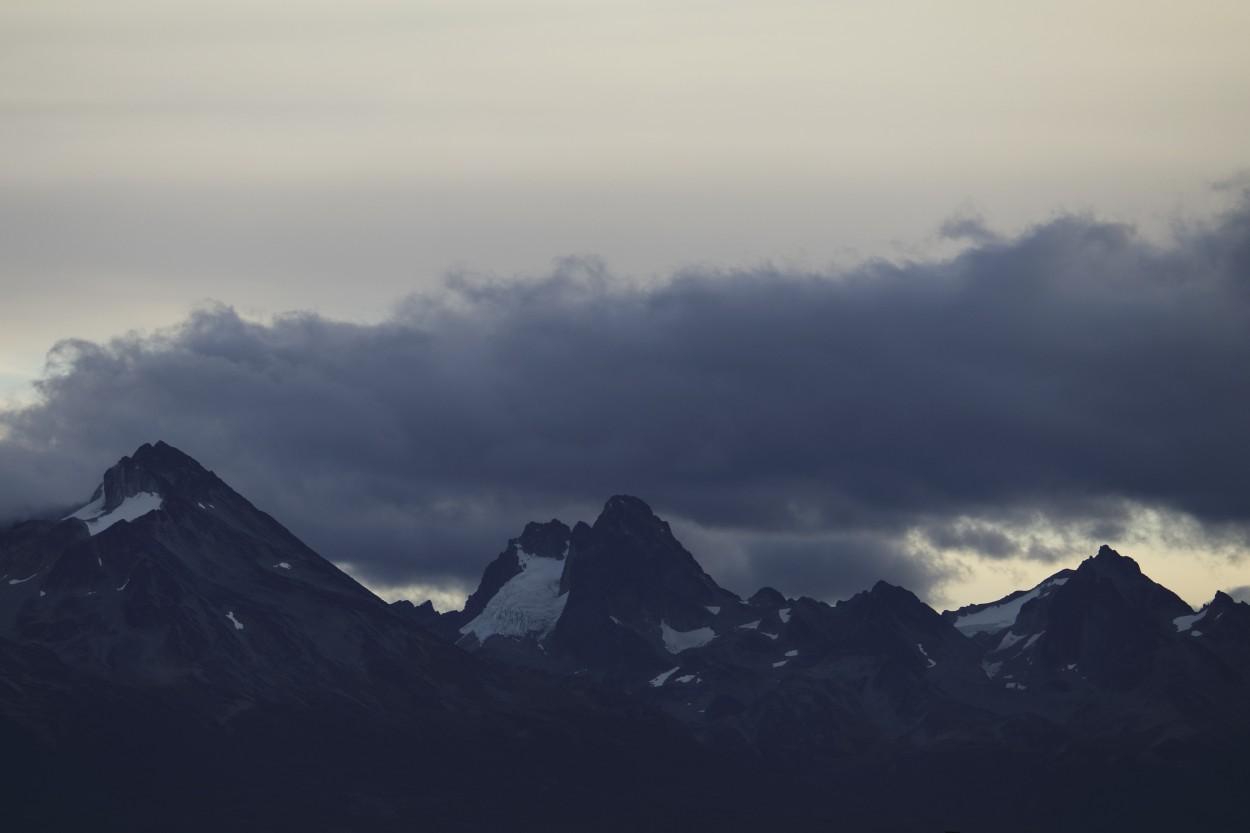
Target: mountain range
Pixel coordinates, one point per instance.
(174, 658)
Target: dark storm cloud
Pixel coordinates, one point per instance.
(1060, 378)
(984, 539)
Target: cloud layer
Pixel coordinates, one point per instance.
(839, 427)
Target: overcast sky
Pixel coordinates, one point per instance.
(944, 293)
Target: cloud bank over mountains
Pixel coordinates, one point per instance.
(1028, 398)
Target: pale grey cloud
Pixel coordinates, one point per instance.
(154, 154)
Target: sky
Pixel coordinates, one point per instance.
(945, 294)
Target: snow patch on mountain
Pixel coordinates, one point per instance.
(997, 617)
(528, 604)
(712, 609)
(677, 641)
(750, 626)
(133, 507)
(1184, 623)
(784, 613)
(94, 509)
(663, 678)
(931, 662)
(1009, 638)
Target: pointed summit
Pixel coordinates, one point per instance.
(887, 610)
(160, 477)
(626, 505)
(624, 513)
(169, 574)
(549, 540)
(594, 596)
(131, 488)
(123, 480)
(149, 469)
(1134, 586)
(164, 459)
(632, 554)
(767, 597)
(1108, 559)
(163, 455)
(1222, 625)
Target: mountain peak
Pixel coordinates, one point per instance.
(1222, 600)
(626, 506)
(152, 469)
(768, 597)
(882, 594)
(886, 596)
(549, 540)
(1131, 585)
(632, 517)
(1108, 559)
(884, 590)
(163, 457)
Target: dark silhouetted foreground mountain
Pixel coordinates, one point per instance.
(172, 658)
